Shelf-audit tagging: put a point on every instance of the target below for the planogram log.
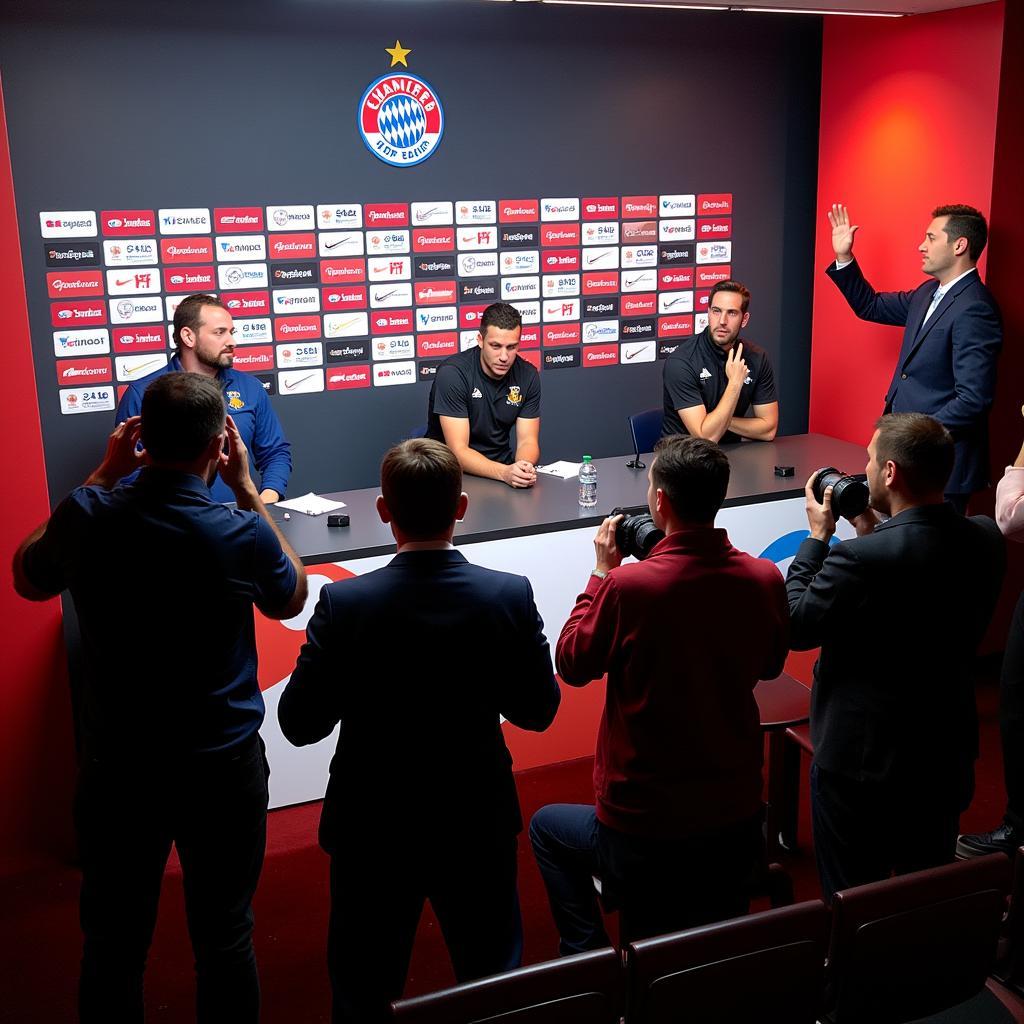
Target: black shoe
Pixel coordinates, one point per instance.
(1004, 839)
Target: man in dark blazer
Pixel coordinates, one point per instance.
(898, 612)
(417, 661)
(951, 339)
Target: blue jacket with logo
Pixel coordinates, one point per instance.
(253, 414)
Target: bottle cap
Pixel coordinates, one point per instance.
(588, 458)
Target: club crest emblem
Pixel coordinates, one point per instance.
(401, 119)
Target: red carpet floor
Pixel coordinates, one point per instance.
(40, 942)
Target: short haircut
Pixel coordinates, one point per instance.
(693, 473)
(421, 481)
(190, 313)
(965, 222)
(920, 446)
(732, 286)
(181, 414)
(502, 315)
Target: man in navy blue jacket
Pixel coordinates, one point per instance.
(204, 336)
(418, 661)
(951, 339)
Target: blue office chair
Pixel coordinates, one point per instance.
(645, 429)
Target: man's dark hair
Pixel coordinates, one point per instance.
(920, 446)
(190, 313)
(732, 286)
(693, 473)
(502, 315)
(181, 414)
(965, 222)
(421, 481)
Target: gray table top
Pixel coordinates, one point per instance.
(497, 511)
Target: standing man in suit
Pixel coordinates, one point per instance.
(951, 339)
(898, 612)
(417, 661)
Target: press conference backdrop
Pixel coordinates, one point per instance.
(599, 168)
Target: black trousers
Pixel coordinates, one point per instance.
(1011, 719)
(658, 885)
(378, 888)
(213, 808)
(867, 831)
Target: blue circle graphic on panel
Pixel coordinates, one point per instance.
(787, 545)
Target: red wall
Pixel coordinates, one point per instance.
(908, 121)
(35, 720)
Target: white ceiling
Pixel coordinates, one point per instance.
(834, 6)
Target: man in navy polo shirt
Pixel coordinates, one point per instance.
(479, 395)
(718, 385)
(204, 336)
(169, 706)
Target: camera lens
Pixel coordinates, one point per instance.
(850, 497)
(636, 534)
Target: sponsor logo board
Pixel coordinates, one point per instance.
(240, 248)
(133, 282)
(330, 216)
(600, 355)
(678, 252)
(560, 235)
(597, 283)
(518, 238)
(336, 244)
(68, 223)
(386, 215)
(290, 218)
(347, 377)
(675, 302)
(132, 368)
(433, 239)
(284, 274)
(559, 285)
(267, 381)
(342, 296)
(561, 334)
(300, 382)
(714, 227)
(136, 310)
(526, 261)
(90, 399)
(250, 330)
(639, 304)
(127, 223)
(254, 359)
(601, 233)
(476, 238)
(379, 243)
(644, 327)
(184, 250)
(601, 307)
(342, 271)
(307, 353)
(677, 230)
(86, 283)
(482, 264)
(188, 221)
(676, 277)
(639, 207)
(518, 211)
(435, 293)
(529, 337)
(391, 321)
(389, 268)
(714, 252)
(636, 232)
(600, 208)
(632, 256)
(242, 275)
(432, 213)
(638, 280)
(83, 371)
(79, 343)
(291, 328)
(598, 331)
(346, 351)
(637, 352)
(390, 296)
(711, 275)
(559, 209)
(714, 203)
(520, 288)
(677, 206)
(296, 300)
(557, 310)
(247, 303)
(437, 346)
(437, 318)
(675, 326)
(394, 373)
(188, 279)
(74, 254)
(528, 311)
(230, 219)
(561, 359)
(476, 211)
(469, 316)
(77, 313)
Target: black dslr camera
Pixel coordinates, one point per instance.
(636, 534)
(850, 497)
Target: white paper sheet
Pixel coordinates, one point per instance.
(310, 504)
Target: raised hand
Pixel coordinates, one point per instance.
(842, 232)
(234, 463)
(606, 550)
(121, 457)
(820, 518)
(735, 366)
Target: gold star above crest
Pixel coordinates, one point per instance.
(398, 53)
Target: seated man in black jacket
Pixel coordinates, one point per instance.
(417, 661)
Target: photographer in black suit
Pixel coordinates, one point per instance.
(898, 612)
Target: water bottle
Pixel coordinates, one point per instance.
(588, 483)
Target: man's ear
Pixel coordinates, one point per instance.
(892, 474)
(745, 320)
(188, 337)
(382, 510)
(461, 506)
(659, 501)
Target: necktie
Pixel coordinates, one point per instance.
(936, 299)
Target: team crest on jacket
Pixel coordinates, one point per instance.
(401, 119)
(515, 396)
(235, 400)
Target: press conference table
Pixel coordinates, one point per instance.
(497, 511)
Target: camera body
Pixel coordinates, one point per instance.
(636, 534)
(850, 496)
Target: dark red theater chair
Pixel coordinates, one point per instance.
(582, 989)
(917, 944)
(767, 968)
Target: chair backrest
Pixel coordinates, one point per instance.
(645, 430)
(418, 432)
(582, 989)
(910, 946)
(767, 967)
